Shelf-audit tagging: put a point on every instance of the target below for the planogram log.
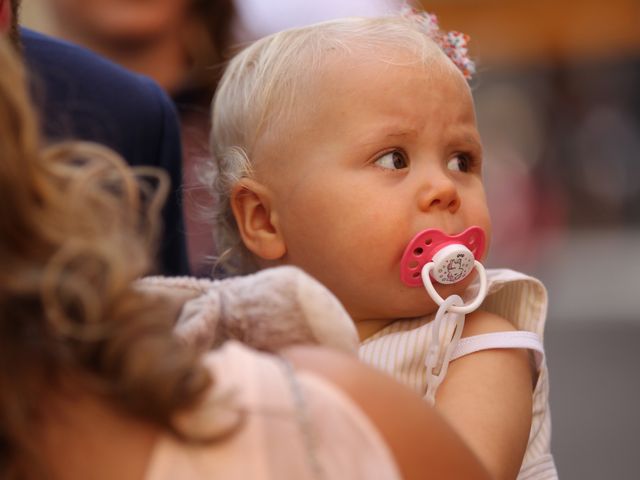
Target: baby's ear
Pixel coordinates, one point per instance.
(257, 219)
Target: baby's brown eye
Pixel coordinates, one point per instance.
(459, 163)
(394, 160)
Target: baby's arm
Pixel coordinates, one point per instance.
(423, 444)
(487, 398)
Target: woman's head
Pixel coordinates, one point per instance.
(121, 29)
(76, 228)
(120, 21)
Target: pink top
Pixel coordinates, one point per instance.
(295, 426)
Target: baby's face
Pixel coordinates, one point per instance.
(385, 152)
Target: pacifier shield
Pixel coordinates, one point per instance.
(453, 255)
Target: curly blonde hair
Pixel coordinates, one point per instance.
(76, 229)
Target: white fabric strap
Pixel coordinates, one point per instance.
(487, 341)
(439, 355)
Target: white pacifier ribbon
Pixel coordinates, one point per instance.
(438, 358)
(447, 259)
(449, 265)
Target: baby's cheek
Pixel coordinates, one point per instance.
(488, 232)
(482, 219)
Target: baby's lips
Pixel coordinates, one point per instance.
(427, 243)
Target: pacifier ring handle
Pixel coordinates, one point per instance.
(464, 309)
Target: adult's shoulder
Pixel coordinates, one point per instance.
(56, 60)
(85, 96)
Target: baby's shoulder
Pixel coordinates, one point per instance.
(481, 321)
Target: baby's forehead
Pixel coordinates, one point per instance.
(345, 72)
(344, 79)
(307, 86)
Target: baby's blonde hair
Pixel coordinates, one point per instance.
(260, 91)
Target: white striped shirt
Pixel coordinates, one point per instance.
(400, 349)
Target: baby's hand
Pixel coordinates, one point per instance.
(268, 310)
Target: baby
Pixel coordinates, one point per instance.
(335, 145)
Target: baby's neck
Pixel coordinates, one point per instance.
(369, 327)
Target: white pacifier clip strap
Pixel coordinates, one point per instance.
(487, 341)
(438, 357)
(450, 265)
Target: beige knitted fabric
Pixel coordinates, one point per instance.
(268, 310)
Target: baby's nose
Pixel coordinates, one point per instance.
(439, 193)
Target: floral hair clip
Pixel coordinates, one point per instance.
(453, 44)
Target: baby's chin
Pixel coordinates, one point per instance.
(403, 302)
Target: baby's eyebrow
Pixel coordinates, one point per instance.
(375, 135)
(402, 133)
(470, 140)
(397, 134)
(473, 141)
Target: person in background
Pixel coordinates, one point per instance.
(93, 382)
(83, 96)
(181, 44)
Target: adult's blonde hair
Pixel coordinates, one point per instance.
(263, 85)
(77, 227)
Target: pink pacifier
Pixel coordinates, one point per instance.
(447, 259)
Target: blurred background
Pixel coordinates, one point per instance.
(558, 99)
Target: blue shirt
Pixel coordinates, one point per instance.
(83, 96)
